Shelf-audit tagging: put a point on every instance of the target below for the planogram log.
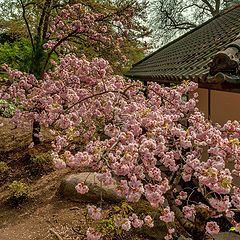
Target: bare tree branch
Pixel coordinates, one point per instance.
(212, 10)
(171, 18)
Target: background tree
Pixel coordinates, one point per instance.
(15, 52)
(171, 18)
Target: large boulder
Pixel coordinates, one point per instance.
(220, 236)
(97, 191)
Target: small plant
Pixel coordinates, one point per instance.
(41, 162)
(112, 225)
(4, 169)
(19, 190)
(7, 109)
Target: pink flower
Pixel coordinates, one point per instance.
(126, 224)
(221, 205)
(167, 215)
(178, 202)
(168, 237)
(31, 145)
(212, 228)
(59, 163)
(183, 195)
(189, 211)
(92, 234)
(149, 221)
(171, 230)
(122, 188)
(104, 29)
(153, 194)
(230, 214)
(136, 222)
(81, 188)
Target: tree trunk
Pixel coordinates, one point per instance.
(36, 130)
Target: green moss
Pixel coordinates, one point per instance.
(143, 207)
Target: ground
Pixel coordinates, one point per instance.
(44, 215)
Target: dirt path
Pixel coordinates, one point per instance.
(44, 211)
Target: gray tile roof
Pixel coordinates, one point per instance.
(191, 55)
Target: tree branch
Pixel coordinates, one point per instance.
(26, 22)
(41, 21)
(46, 20)
(95, 95)
(212, 10)
(217, 6)
(53, 49)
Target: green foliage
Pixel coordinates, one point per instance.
(17, 54)
(4, 169)
(143, 207)
(234, 229)
(31, 59)
(19, 190)
(7, 109)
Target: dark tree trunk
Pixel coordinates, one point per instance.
(36, 130)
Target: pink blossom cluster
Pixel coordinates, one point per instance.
(212, 228)
(81, 188)
(122, 222)
(167, 215)
(189, 211)
(136, 222)
(92, 234)
(221, 205)
(142, 135)
(182, 196)
(149, 221)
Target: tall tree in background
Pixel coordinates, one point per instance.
(171, 18)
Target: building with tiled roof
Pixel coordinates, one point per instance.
(209, 55)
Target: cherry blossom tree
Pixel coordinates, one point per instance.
(73, 24)
(150, 146)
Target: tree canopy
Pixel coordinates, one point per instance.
(171, 18)
(33, 19)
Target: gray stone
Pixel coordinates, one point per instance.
(158, 232)
(96, 189)
(219, 236)
(226, 236)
